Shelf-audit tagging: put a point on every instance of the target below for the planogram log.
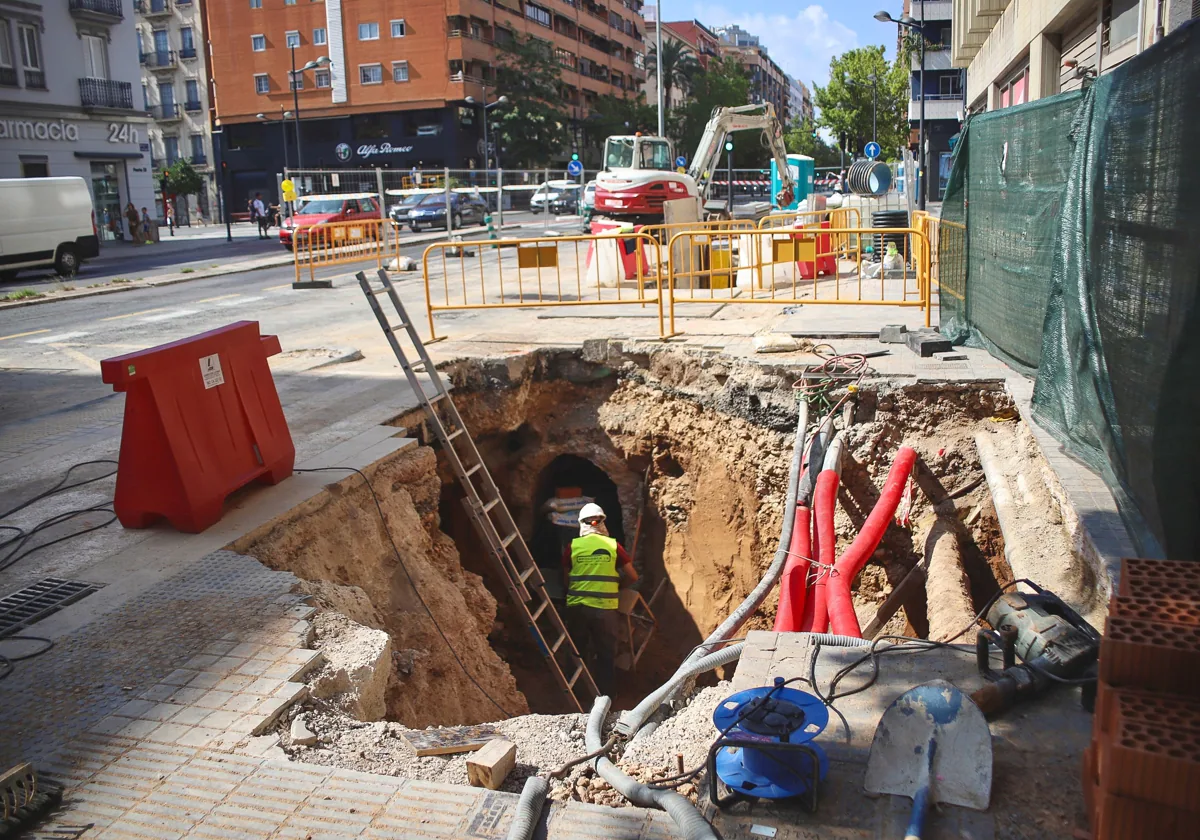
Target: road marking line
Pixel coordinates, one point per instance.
(166, 316)
(46, 339)
(273, 288)
(222, 297)
(22, 335)
(133, 314)
(85, 360)
(240, 301)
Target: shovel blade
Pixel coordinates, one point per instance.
(959, 769)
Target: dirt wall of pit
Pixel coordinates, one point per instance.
(338, 545)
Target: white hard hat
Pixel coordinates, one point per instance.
(591, 511)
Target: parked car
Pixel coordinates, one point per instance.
(315, 210)
(46, 222)
(465, 208)
(398, 212)
(589, 197)
(556, 196)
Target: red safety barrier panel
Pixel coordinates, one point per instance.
(202, 418)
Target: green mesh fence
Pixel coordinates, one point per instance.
(1082, 241)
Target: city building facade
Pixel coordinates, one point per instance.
(942, 93)
(1016, 52)
(67, 103)
(174, 60)
(699, 40)
(768, 82)
(704, 42)
(393, 89)
(800, 105)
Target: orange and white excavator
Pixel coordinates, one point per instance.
(639, 171)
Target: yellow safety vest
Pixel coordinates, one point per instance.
(594, 580)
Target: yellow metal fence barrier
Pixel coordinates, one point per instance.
(608, 268)
(947, 255)
(785, 265)
(333, 243)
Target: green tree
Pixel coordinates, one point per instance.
(535, 124)
(723, 84)
(801, 138)
(845, 103)
(610, 115)
(680, 67)
(181, 178)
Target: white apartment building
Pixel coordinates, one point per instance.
(68, 70)
(173, 58)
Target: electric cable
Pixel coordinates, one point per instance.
(59, 488)
(404, 568)
(7, 660)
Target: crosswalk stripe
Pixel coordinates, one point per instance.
(166, 316)
(47, 339)
(240, 301)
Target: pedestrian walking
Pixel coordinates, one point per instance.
(169, 209)
(595, 565)
(258, 213)
(131, 216)
(145, 225)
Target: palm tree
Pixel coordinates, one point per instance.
(679, 67)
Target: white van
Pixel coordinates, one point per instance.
(45, 222)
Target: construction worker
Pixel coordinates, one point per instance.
(595, 564)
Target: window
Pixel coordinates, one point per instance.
(398, 29)
(31, 51)
(187, 41)
(399, 71)
(318, 37)
(322, 79)
(537, 14)
(35, 167)
(197, 147)
(289, 2)
(1121, 21)
(262, 84)
(172, 147)
(6, 56)
(95, 57)
(291, 39)
(255, 4)
(368, 31)
(1013, 91)
(370, 74)
(950, 86)
(145, 96)
(297, 81)
(193, 91)
(258, 43)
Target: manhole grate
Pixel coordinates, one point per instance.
(33, 603)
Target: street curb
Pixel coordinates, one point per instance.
(169, 280)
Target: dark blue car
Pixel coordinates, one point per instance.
(431, 211)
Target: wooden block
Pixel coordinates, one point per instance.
(489, 767)
(449, 739)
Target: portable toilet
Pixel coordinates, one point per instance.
(802, 168)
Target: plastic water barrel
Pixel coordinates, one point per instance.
(889, 219)
(869, 177)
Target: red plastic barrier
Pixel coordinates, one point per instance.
(793, 589)
(202, 418)
(824, 504)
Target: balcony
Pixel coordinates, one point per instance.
(200, 160)
(936, 58)
(160, 60)
(35, 80)
(938, 106)
(166, 113)
(104, 11)
(8, 77)
(187, 52)
(103, 93)
(192, 106)
(153, 8)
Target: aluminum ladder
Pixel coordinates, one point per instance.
(486, 510)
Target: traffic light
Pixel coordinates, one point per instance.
(574, 156)
(814, 134)
(729, 145)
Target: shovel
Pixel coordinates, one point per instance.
(932, 744)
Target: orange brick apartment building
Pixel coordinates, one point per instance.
(394, 95)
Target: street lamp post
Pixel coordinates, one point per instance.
(918, 26)
(323, 61)
(662, 132)
(485, 107)
(283, 118)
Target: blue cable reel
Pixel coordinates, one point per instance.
(765, 749)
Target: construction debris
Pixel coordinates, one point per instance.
(449, 739)
(489, 767)
(300, 734)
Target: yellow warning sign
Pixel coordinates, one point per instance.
(287, 185)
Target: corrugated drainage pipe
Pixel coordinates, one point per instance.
(685, 815)
(632, 720)
(528, 812)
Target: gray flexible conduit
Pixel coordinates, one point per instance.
(684, 814)
(529, 809)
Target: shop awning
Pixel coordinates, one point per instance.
(106, 155)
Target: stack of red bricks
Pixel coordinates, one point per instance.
(1141, 774)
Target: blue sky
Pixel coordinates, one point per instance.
(801, 35)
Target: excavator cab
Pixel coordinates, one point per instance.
(638, 152)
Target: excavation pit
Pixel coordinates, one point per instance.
(688, 452)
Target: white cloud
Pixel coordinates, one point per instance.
(801, 43)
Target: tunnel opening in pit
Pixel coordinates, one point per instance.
(690, 455)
